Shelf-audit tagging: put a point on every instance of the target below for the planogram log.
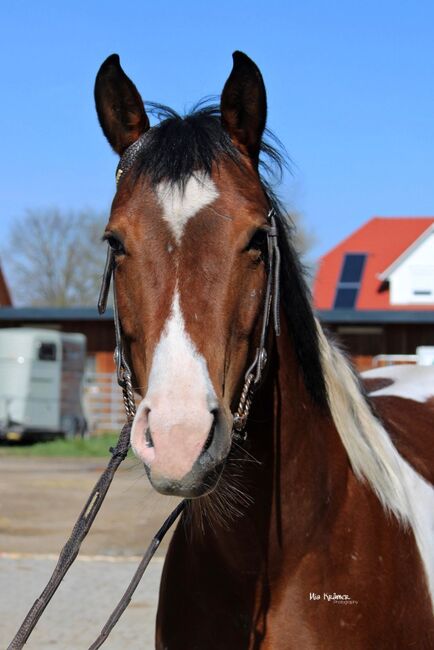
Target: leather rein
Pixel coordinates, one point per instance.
(252, 381)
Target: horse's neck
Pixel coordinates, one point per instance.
(301, 467)
(309, 464)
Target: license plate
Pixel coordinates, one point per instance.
(13, 435)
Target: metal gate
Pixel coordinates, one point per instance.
(103, 404)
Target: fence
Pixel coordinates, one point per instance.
(393, 359)
(103, 404)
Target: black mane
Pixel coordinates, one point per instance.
(180, 145)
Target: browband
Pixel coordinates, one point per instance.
(129, 156)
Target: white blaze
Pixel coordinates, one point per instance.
(180, 204)
(177, 408)
(178, 370)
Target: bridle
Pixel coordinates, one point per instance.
(252, 380)
(254, 374)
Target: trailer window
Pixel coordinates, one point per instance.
(47, 352)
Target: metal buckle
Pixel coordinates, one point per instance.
(117, 357)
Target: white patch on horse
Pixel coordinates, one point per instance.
(176, 363)
(178, 404)
(373, 456)
(410, 382)
(180, 204)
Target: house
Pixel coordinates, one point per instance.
(375, 289)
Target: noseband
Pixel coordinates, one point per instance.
(254, 373)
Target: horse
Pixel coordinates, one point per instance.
(310, 507)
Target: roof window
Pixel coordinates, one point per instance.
(350, 281)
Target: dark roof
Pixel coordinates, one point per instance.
(61, 314)
(366, 317)
(53, 314)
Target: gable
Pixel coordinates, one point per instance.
(412, 280)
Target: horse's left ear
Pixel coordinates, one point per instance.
(244, 106)
(119, 106)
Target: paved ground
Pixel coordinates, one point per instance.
(39, 501)
(82, 604)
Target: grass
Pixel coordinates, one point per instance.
(94, 447)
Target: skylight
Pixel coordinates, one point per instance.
(350, 281)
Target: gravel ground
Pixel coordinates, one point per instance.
(40, 499)
(82, 604)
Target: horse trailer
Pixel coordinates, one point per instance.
(41, 379)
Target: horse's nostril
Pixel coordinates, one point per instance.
(210, 437)
(148, 438)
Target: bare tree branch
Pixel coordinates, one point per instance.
(55, 258)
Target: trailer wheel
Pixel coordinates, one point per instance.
(70, 426)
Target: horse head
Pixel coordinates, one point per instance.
(189, 234)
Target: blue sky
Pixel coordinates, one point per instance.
(350, 91)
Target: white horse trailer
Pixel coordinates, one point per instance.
(41, 381)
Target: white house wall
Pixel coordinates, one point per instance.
(412, 282)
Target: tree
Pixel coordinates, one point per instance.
(304, 240)
(56, 258)
(303, 237)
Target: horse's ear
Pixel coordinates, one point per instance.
(244, 105)
(119, 106)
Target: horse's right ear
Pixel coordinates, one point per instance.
(244, 106)
(119, 106)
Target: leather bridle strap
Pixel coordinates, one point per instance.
(130, 154)
(253, 376)
(123, 371)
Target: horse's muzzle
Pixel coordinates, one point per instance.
(183, 455)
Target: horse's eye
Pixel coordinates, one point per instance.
(115, 244)
(257, 246)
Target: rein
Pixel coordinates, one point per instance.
(252, 380)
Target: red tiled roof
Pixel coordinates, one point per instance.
(383, 240)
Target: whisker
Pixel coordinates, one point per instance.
(244, 450)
